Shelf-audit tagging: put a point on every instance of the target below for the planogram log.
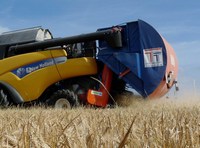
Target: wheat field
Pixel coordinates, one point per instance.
(134, 123)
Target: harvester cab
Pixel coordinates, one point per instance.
(87, 68)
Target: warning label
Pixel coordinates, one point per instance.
(153, 57)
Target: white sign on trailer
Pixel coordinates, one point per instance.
(153, 57)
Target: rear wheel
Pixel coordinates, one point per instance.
(63, 99)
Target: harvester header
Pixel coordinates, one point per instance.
(146, 61)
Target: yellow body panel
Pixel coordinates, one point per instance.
(31, 85)
(9, 64)
(77, 67)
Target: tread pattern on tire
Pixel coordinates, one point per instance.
(3, 98)
(63, 93)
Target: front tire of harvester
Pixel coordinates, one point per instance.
(4, 103)
(63, 99)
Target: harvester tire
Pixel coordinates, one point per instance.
(63, 99)
(3, 99)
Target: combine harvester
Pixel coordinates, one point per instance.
(87, 68)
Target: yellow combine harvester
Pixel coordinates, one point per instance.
(35, 67)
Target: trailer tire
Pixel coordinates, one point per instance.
(63, 99)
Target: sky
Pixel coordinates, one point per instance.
(176, 20)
